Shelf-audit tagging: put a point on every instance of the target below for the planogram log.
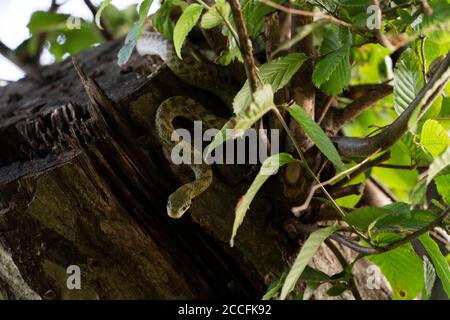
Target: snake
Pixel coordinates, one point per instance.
(205, 75)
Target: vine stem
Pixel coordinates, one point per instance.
(245, 46)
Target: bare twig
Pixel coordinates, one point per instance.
(424, 60)
(338, 118)
(306, 13)
(245, 45)
(9, 54)
(299, 209)
(399, 166)
(348, 190)
(361, 169)
(324, 110)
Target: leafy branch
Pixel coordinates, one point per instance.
(364, 251)
(359, 147)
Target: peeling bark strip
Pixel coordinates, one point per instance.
(83, 182)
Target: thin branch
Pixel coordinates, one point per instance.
(299, 209)
(325, 108)
(364, 251)
(9, 54)
(306, 13)
(388, 193)
(399, 166)
(361, 169)
(348, 190)
(338, 118)
(245, 45)
(424, 59)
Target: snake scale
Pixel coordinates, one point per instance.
(202, 74)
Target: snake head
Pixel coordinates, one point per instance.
(178, 204)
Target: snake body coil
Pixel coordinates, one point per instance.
(192, 69)
(201, 74)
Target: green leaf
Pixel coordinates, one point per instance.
(98, 15)
(143, 13)
(277, 73)
(434, 138)
(135, 32)
(162, 18)
(332, 73)
(418, 193)
(443, 186)
(269, 167)
(412, 221)
(314, 275)
(439, 261)
(306, 253)
(403, 269)
(236, 126)
(262, 103)
(317, 135)
(42, 21)
(337, 290)
(274, 288)
(400, 182)
(362, 218)
(254, 12)
(185, 24)
(130, 43)
(439, 164)
(214, 16)
(408, 80)
(352, 200)
(430, 278)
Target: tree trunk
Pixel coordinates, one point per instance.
(84, 181)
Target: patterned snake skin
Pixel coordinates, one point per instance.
(192, 70)
(204, 75)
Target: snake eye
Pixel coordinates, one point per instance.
(185, 208)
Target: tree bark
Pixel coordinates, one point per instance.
(84, 181)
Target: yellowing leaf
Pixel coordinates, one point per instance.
(214, 16)
(434, 138)
(99, 13)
